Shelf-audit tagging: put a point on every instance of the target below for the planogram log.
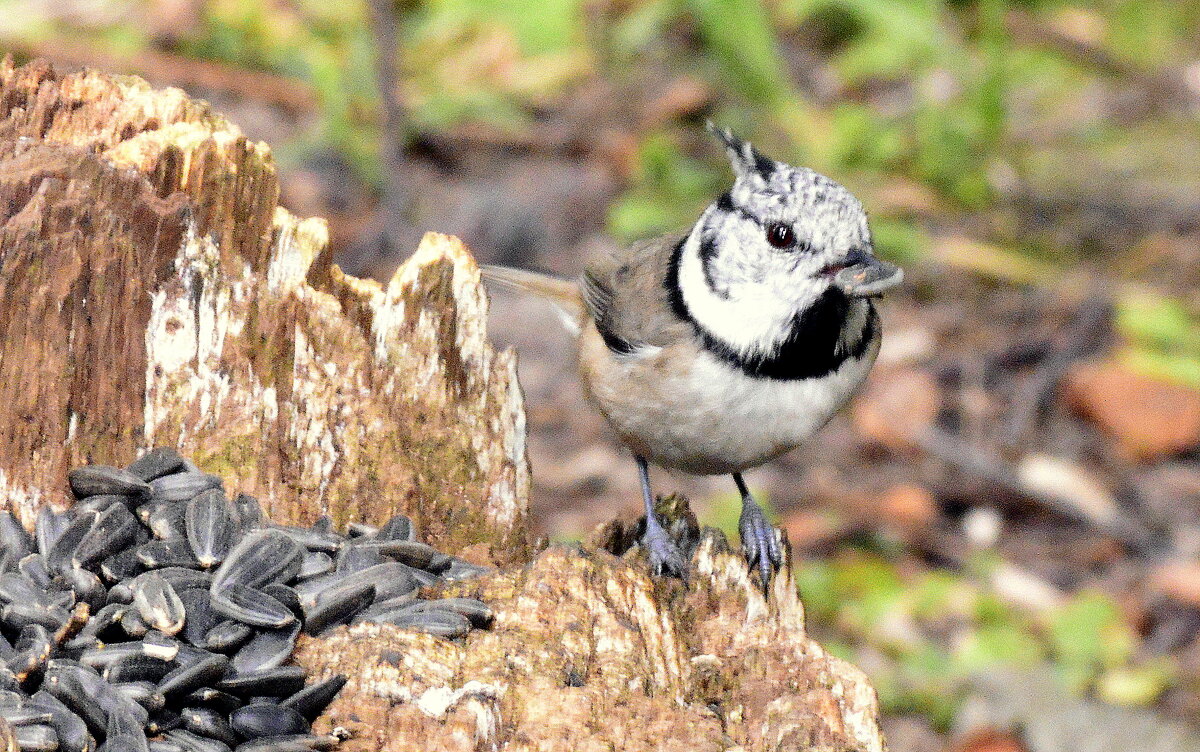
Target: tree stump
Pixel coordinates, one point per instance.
(152, 292)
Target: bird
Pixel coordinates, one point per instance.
(716, 350)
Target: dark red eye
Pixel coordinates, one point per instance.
(781, 235)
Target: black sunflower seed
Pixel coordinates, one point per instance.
(443, 623)
(99, 504)
(48, 527)
(463, 570)
(261, 557)
(476, 611)
(311, 701)
(94, 480)
(182, 486)
(227, 636)
(190, 742)
(399, 528)
(35, 570)
(264, 720)
(86, 586)
(197, 604)
(159, 554)
(71, 730)
(133, 625)
(390, 579)
(210, 528)
(247, 512)
(144, 693)
(166, 519)
(19, 615)
(315, 563)
(313, 540)
(121, 566)
(272, 682)
(370, 613)
(136, 668)
(209, 723)
(293, 743)
(338, 606)
(158, 603)
(115, 529)
(36, 738)
(207, 697)
(102, 656)
(62, 555)
(23, 713)
(188, 678)
(182, 578)
(361, 530)
(32, 650)
(15, 540)
(267, 649)
(97, 628)
(156, 463)
(250, 606)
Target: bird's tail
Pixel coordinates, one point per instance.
(564, 294)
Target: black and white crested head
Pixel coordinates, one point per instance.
(778, 271)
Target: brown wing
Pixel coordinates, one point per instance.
(625, 296)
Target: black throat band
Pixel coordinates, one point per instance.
(810, 350)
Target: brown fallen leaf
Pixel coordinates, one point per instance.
(988, 740)
(909, 506)
(897, 407)
(1179, 581)
(1148, 417)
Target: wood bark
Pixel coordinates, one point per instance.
(152, 292)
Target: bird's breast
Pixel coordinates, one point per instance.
(685, 408)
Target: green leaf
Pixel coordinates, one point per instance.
(1137, 685)
(739, 35)
(1089, 633)
(994, 645)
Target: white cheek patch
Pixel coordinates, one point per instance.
(752, 320)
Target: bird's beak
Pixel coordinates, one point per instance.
(864, 276)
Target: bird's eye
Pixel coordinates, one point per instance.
(781, 235)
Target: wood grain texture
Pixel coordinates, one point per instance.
(153, 293)
(588, 652)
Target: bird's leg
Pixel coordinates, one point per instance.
(665, 557)
(758, 535)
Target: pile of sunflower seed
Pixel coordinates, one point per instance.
(156, 615)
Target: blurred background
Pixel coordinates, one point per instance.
(1004, 529)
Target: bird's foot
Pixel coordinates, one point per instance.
(759, 541)
(665, 556)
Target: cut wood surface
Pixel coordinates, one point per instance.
(152, 292)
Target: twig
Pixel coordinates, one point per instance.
(992, 468)
(1083, 338)
(396, 198)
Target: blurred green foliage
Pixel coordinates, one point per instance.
(1163, 336)
(931, 631)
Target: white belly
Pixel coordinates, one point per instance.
(708, 418)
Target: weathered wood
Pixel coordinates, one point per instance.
(587, 652)
(151, 293)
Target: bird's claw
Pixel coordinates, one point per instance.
(759, 541)
(665, 556)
